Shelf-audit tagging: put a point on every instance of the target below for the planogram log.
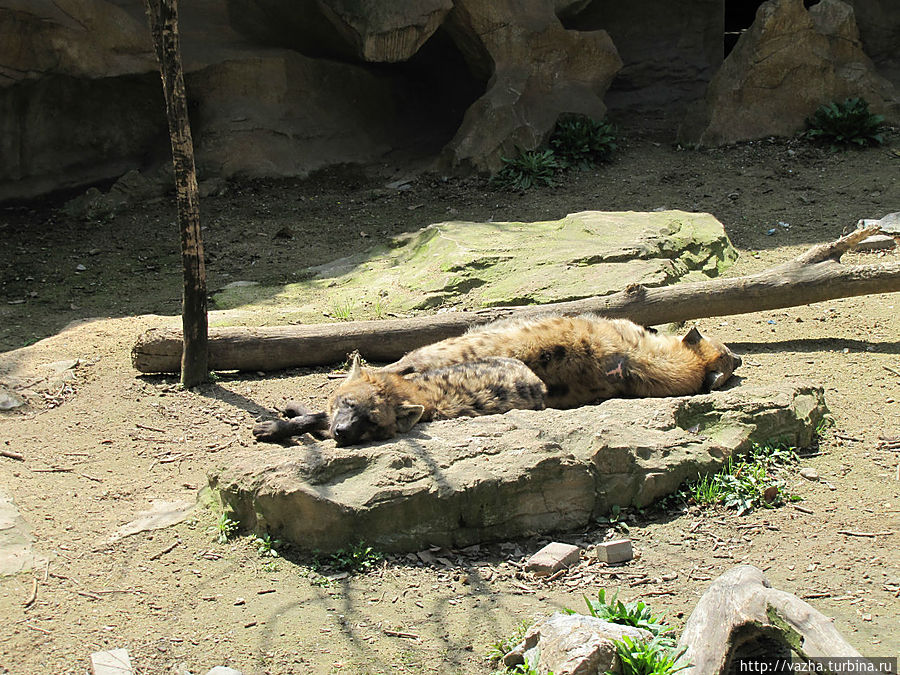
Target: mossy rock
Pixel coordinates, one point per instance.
(469, 265)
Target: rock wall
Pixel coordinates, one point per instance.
(281, 87)
(670, 50)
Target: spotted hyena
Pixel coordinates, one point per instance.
(585, 359)
(373, 404)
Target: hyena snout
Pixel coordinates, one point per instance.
(347, 429)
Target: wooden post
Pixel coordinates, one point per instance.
(163, 16)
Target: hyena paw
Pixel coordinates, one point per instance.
(272, 431)
(294, 409)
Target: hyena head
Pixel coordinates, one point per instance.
(719, 361)
(367, 407)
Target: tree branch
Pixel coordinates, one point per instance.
(813, 276)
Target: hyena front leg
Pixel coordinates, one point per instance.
(300, 420)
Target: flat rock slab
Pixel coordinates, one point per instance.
(460, 482)
(16, 552)
(473, 265)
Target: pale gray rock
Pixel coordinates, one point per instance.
(572, 644)
(889, 223)
(613, 552)
(809, 473)
(460, 482)
(16, 551)
(877, 242)
(787, 64)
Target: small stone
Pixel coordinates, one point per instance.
(809, 473)
(554, 556)
(112, 662)
(239, 601)
(223, 670)
(877, 242)
(617, 551)
(9, 400)
(80, 268)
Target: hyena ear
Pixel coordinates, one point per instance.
(355, 368)
(714, 380)
(693, 337)
(407, 416)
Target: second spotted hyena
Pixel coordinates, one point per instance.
(373, 405)
(585, 359)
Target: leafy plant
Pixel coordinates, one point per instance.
(582, 142)
(747, 483)
(265, 546)
(497, 650)
(654, 657)
(225, 528)
(635, 613)
(529, 168)
(846, 124)
(614, 519)
(356, 558)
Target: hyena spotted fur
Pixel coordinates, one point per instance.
(586, 359)
(373, 404)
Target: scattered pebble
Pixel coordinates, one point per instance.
(809, 473)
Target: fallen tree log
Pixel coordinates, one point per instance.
(814, 276)
(739, 609)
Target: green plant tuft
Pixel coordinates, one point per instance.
(635, 613)
(581, 142)
(639, 657)
(265, 546)
(225, 528)
(747, 483)
(497, 650)
(356, 558)
(844, 125)
(528, 168)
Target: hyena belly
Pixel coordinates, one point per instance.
(487, 386)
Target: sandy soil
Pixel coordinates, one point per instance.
(100, 446)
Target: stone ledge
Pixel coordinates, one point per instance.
(460, 482)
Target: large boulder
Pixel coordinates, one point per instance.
(537, 70)
(490, 264)
(572, 644)
(459, 482)
(790, 61)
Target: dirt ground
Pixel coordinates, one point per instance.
(100, 446)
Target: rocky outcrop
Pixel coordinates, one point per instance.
(459, 482)
(494, 264)
(537, 70)
(788, 63)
